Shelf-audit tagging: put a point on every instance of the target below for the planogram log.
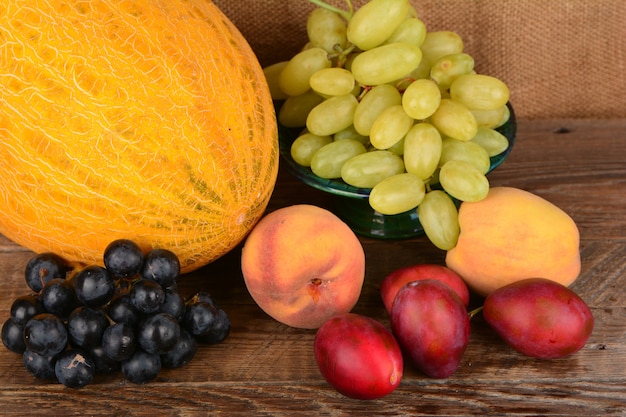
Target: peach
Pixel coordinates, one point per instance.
(512, 235)
(395, 280)
(302, 265)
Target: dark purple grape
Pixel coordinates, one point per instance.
(13, 336)
(142, 367)
(199, 318)
(123, 258)
(162, 266)
(123, 286)
(45, 334)
(172, 288)
(220, 330)
(74, 369)
(202, 297)
(44, 267)
(147, 296)
(94, 286)
(119, 341)
(24, 308)
(174, 305)
(126, 315)
(86, 325)
(182, 352)
(122, 310)
(103, 364)
(41, 367)
(158, 333)
(58, 297)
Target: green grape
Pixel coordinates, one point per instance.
(368, 169)
(455, 120)
(440, 219)
(332, 82)
(438, 44)
(434, 179)
(421, 99)
(506, 115)
(373, 103)
(326, 29)
(351, 133)
(328, 160)
(305, 146)
(389, 127)
(347, 63)
(422, 150)
(492, 118)
(479, 92)
(272, 75)
(356, 91)
(422, 71)
(386, 63)
(397, 148)
(332, 115)
(463, 181)
(468, 151)
(411, 30)
(296, 109)
(294, 78)
(375, 21)
(448, 68)
(492, 141)
(397, 194)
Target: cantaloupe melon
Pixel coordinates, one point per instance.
(143, 119)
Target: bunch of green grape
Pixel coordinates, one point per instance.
(387, 105)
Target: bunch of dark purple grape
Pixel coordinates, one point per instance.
(126, 315)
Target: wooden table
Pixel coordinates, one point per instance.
(266, 368)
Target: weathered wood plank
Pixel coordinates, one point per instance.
(265, 368)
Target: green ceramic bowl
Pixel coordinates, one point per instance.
(351, 203)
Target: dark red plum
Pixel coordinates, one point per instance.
(358, 356)
(431, 325)
(398, 278)
(539, 318)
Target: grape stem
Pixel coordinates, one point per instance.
(402, 84)
(366, 89)
(342, 54)
(346, 14)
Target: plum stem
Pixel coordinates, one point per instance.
(475, 311)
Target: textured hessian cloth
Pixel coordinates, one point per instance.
(560, 58)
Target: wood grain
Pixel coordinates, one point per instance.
(265, 368)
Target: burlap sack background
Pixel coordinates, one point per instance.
(560, 58)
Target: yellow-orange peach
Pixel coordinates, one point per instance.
(302, 265)
(511, 235)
